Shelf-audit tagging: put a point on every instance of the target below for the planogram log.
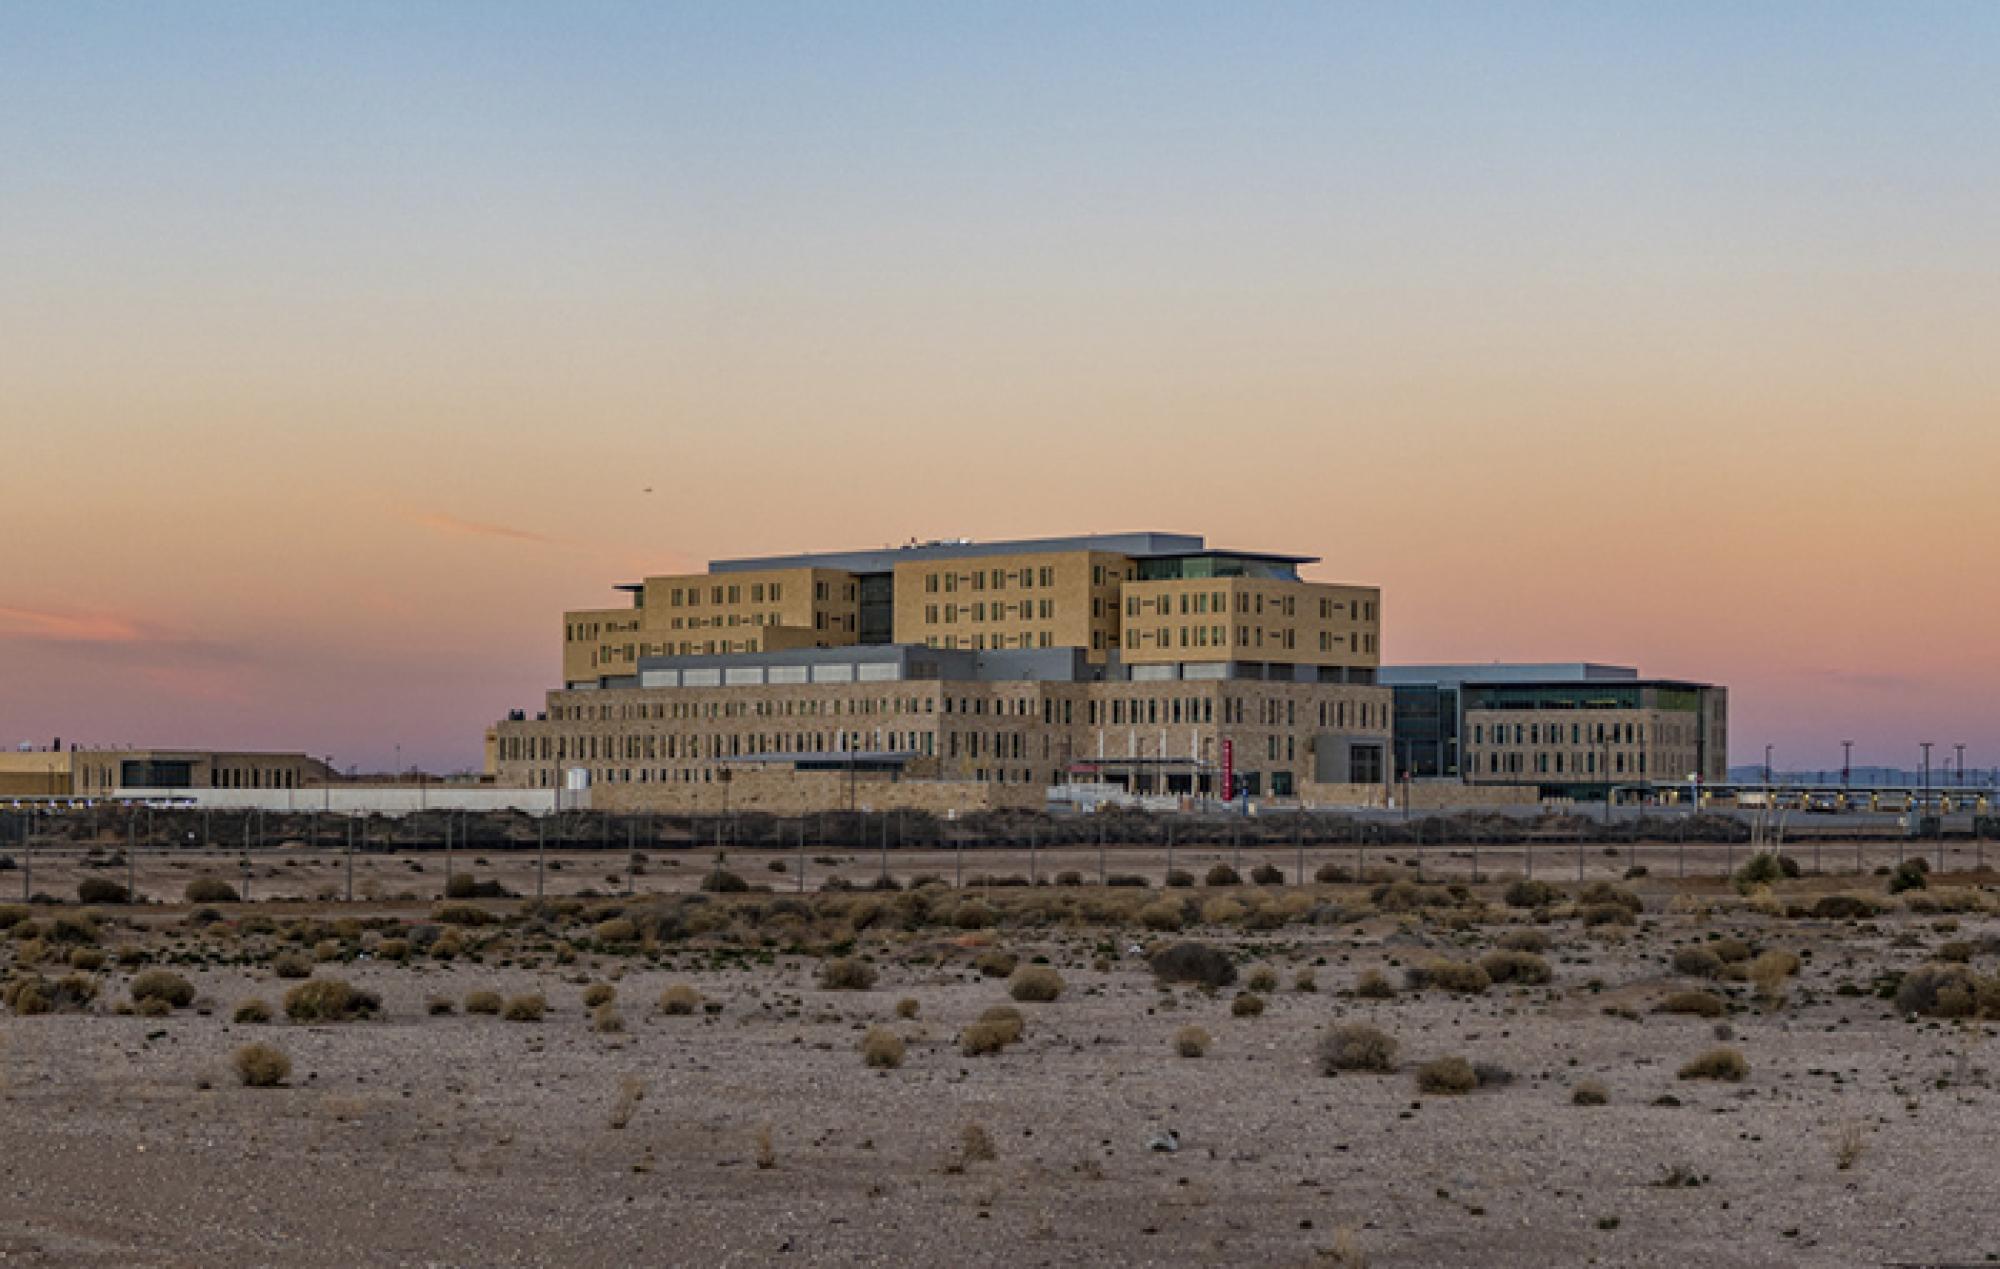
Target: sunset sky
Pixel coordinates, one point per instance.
(340, 343)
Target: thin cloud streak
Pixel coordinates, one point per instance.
(29, 624)
(473, 528)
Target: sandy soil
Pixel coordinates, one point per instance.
(469, 1140)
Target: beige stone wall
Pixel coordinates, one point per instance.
(36, 773)
(786, 792)
(98, 772)
(1251, 619)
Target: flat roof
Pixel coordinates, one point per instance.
(1503, 672)
(1143, 544)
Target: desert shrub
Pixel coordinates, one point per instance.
(1844, 907)
(292, 965)
(1697, 962)
(28, 995)
(1222, 875)
(210, 890)
(1009, 1019)
(720, 880)
(986, 1037)
(616, 930)
(1699, 1004)
(93, 958)
(153, 1007)
(1589, 1093)
(1730, 950)
(1268, 875)
(467, 914)
(72, 928)
(1911, 874)
(974, 915)
(607, 1020)
(1374, 985)
(1161, 915)
(1222, 910)
(1126, 880)
(261, 1065)
(528, 1007)
(1959, 950)
(1179, 878)
(165, 986)
(1941, 990)
(252, 1011)
(1448, 1076)
(1408, 896)
(1357, 1046)
(1530, 894)
(1194, 963)
(1515, 967)
(1717, 1064)
(461, 886)
(12, 914)
(1763, 869)
(438, 1006)
(1247, 1005)
(393, 949)
(1606, 914)
(907, 1007)
(1524, 941)
(101, 890)
(1605, 892)
(1069, 877)
(882, 1049)
(846, 973)
(1333, 875)
(996, 962)
(680, 1000)
(329, 1000)
(1262, 979)
(1191, 1042)
(599, 994)
(1035, 984)
(483, 1002)
(1304, 980)
(1448, 975)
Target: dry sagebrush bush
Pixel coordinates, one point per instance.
(1374, 985)
(679, 1000)
(1699, 1004)
(210, 890)
(1035, 984)
(1447, 1076)
(483, 1002)
(1247, 1005)
(163, 985)
(330, 1000)
(1194, 963)
(1515, 967)
(846, 973)
(527, 1007)
(1697, 962)
(882, 1049)
(996, 962)
(1448, 975)
(1357, 1046)
(599, 994)
(1589, 1093)
(1524, 941)
(252, 1012)
(1263, 980)
(261, 1065)
(907, 1007)
(1191, 1042)
(1722, 1063)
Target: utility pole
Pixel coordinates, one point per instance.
(1846, 764)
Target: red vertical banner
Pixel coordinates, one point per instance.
(1228, 770)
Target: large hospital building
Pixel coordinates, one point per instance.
(957, 673)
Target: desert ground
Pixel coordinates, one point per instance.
(774, 1078)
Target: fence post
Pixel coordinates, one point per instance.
(1103, 877)
(802, 854)
(541, 855)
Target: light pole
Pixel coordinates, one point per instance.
(1924, 804)
(1846, 763)
(1961, 764)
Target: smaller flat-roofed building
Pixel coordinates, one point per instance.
(1568, 729)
